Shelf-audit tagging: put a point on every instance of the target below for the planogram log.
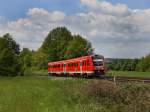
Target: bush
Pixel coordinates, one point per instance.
(118, 98)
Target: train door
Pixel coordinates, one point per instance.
(64, 69)
(81, 70)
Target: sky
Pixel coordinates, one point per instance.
(116, 28)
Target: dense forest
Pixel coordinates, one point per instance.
(59, 44)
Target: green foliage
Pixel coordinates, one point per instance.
(40, 60)
(144, 64)
(8, 42)
(77, 47)
(26, 58)
(123, 64)
(56, 43)
(53, 47)
(9, 57)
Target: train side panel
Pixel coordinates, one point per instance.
(82, 65)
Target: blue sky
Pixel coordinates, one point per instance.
(134, 4)
(116, 28)
(14, 9)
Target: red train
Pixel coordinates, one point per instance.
(92, 65)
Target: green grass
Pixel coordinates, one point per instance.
(32, 94)
(47, 94)
(129, 74)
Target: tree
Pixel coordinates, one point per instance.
(9, 57)
(144, 64)
(40, 59)
(11, 44)
(77, 47)
(26, 58)
(56, 43)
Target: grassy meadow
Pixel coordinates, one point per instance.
(61, 94)
(128, 73)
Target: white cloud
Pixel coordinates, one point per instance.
(40, 13)
(119, 9)
(114, 30)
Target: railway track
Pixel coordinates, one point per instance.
(128, 79)
(115, 78)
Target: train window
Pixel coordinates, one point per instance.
(80, 63)
(83, 63)
(88, 62)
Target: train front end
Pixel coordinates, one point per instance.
(99, 65)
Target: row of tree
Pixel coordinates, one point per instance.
(58, 45)
(123, 64)
(142, 64)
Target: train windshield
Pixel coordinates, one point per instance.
(98, 62)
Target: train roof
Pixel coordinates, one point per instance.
(70, 60)
(76, 59)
